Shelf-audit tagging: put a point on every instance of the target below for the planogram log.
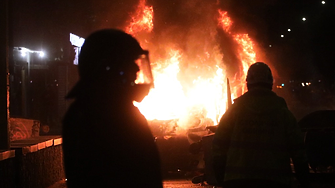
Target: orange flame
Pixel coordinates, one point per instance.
(195, 96)
(142, 20)
(225, 21)
(169, 100)
(247, 56)
(246, 48)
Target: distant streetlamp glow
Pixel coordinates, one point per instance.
(282, 36)
(42, 54)
(23, 54)
(289, 30)
(323, 2)
(26, 52)
(303, 19)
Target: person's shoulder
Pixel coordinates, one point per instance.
(76, 112)
(282, 106)
(281, 100)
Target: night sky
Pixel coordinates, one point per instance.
(306, 52)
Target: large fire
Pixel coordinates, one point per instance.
(142, 19)
(190, 83)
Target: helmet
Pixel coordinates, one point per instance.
(259, 73)
(111, 55)
(108, 47)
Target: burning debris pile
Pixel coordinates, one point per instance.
(193, 48)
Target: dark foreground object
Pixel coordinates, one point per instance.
(37, 162)
(186, 183)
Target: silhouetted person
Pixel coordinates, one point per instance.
(257, 137)
(106, 140)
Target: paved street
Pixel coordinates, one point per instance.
(186, 183)
(167, 184)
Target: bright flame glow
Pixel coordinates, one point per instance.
(247, 52)
(167, 92)
(198, 92)
(142, 20)
(225, 21)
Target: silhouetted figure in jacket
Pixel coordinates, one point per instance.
(257, 137)
(106, 140)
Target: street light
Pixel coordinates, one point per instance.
(27, 53)
(24, 51)
(26, 56)
(23, 54)
(41, 54)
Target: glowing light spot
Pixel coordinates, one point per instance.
(289, 30)
(23, 54)
(323, 2)
(282, 36)
(304, 19)
(41, 54)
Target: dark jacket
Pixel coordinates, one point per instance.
(107, 143)
(256, 138)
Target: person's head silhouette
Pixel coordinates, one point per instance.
(259, 75)
(113, 57)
